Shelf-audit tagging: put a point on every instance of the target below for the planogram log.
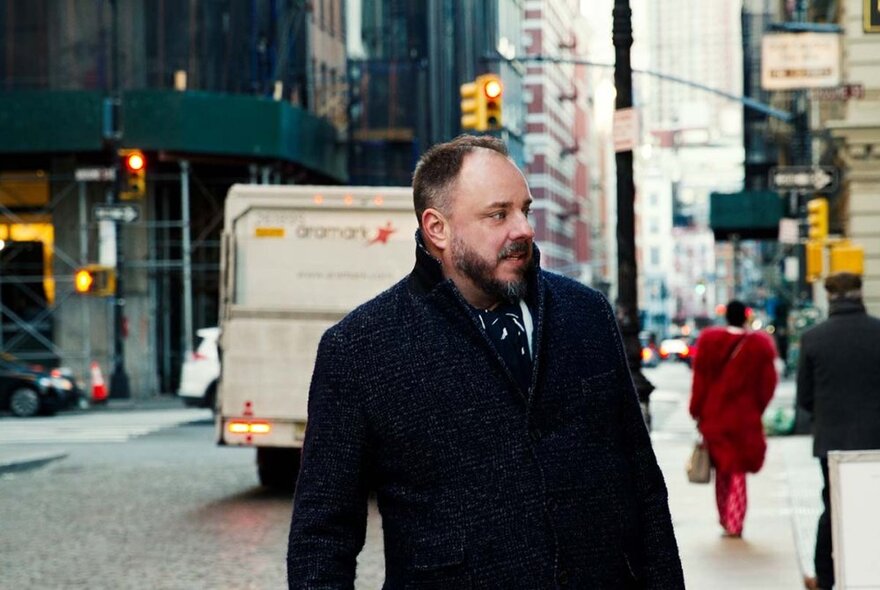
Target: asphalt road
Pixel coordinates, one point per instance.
(167, 510)
(163, 510)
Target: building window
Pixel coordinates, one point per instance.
(655, 256)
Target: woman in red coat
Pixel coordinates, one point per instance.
(734, 379)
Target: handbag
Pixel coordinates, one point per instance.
(699, 466)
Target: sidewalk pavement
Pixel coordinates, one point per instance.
(784, 502)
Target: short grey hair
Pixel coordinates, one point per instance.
(439, 167)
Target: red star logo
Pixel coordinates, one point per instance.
(382, 234)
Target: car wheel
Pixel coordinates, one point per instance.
(24, 402)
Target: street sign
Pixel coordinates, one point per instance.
(626, 130)
(804, 178)
(840, 93)
(789, 231)
(791, 61)
(95, 174)
(124, 213)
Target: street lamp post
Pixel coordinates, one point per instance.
(627, 290)
(119, 383)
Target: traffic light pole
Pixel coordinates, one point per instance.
(627, 289)
(119, 384)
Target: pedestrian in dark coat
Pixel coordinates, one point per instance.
(838, 382)
(734, 380)
(488, 405)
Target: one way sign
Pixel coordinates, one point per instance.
(125, 213)
(804, 178)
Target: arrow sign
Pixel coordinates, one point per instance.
(804, 178)
(120, 213)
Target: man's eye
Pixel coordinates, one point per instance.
(527, 212)
(499, 215)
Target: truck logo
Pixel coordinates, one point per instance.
(382, 234)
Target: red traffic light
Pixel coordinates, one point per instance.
(83, 280)
(493, 88)
(135, 162)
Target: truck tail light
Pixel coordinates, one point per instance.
(247, 427)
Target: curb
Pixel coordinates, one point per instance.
(25, 462)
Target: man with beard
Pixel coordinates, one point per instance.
(488, 406)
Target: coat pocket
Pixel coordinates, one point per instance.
(438, 562)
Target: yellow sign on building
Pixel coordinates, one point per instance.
(27, 188)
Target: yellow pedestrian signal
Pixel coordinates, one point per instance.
(847, 257)
(481, 103)
(815, 261)
(817, 219)
(95, 279)
(134, 182)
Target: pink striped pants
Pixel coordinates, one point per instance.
(730, 495)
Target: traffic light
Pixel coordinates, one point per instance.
(817, 219)
(481, 103)
(95, 279)
(472, 111)
(134, 172)
(847, 257)
(492, 92)
(815, 261)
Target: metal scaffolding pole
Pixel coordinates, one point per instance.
(186, 248)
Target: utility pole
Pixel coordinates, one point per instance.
(627, 288)
(119, 384)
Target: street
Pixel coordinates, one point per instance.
(164, 510)
(153, 503)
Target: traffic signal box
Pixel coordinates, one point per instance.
(847, 257)
(493, 94)
(482, 103)
(817, 232)
(134, 173)
(843, 256)
(815, 253)
(95, 279)
(817, 219)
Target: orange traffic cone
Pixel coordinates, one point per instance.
(99, 388)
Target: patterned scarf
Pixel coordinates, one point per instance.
(506, 329)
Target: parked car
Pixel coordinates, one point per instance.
(28, 390)
(201, 371)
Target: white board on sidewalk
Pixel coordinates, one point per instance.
(855, 518)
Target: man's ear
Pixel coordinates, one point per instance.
(435, 229)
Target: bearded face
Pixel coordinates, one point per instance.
(503, 277)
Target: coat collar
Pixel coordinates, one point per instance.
(846, 306)
(426, 279)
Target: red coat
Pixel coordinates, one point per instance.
(728, 397)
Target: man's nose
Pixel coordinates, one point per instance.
(523, 229)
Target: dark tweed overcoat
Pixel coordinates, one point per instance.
(480, 484)
(838, 379)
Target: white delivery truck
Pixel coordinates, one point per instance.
(294, 261)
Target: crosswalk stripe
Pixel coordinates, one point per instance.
(95, 427)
